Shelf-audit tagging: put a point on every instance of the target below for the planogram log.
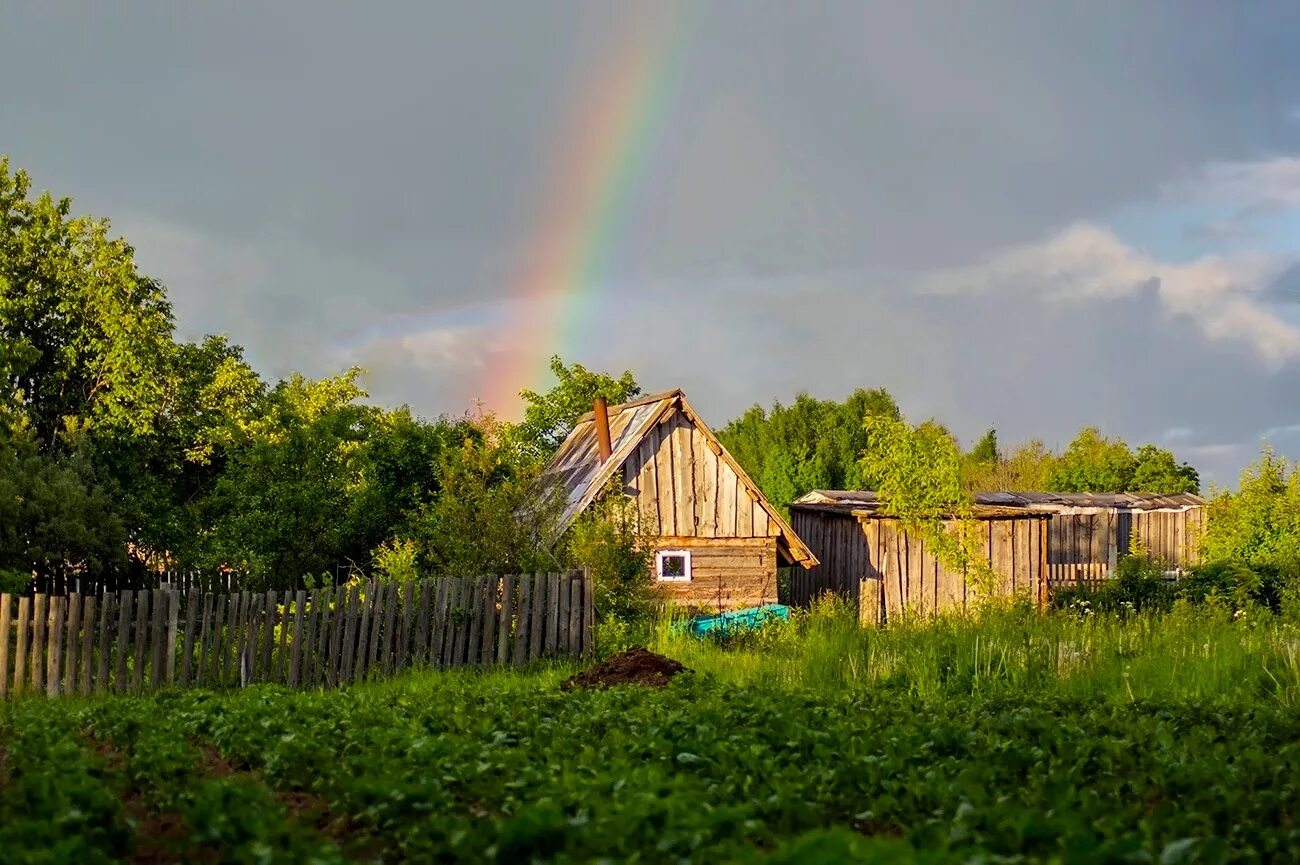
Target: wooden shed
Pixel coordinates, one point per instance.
(1090, 532)
(870, 559)
(718, 540)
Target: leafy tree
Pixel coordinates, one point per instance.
(490, 515)
(1093, 463)
(810, 444)
(919, 467)
(282, 508)
(1156, 471)
(1259, 523)
(1024, 469)
(550, 417)
(55, 518)
(85, 340)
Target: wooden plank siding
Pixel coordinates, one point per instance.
(887, 572)
(684, 489)
(726, 573)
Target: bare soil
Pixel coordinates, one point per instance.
(636, 666)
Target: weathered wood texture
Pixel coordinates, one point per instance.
(60, 645)
(684, 486)
(1085, 543)
(887, 572)
(726, 574)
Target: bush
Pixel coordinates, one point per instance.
(1138, 585)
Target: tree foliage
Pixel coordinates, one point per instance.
(550, 417)
(810, 444)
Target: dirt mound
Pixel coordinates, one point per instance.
(636, 666)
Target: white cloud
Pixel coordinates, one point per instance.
(1262, 185)
(1088, 262)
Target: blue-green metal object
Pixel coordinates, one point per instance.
(737, 620)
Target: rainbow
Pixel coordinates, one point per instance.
(597, 166)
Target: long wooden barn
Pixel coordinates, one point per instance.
(1090, 532)
(1037, 542)
(872, 560)
(718, 541)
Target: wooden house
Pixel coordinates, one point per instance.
(718, 541)
(871, 559)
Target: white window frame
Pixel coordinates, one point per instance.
(659, 566)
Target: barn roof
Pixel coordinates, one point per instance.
(577, 466)
(993, 503)
(865, 503)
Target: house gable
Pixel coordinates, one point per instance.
(685, 483)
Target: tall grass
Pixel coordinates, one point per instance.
(1190, 653)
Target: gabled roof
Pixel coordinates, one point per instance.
(866, 501)
(577, 466)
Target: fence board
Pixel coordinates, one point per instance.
(575, 615)
(6, 603)
(367, 631)
(490, 614)
(268, 636)
(562, 614)
(553, 613)
(159, 599)
(20, 659)
(205, 634)
(386, 647)
(476, 615)
(354, 617)
(535, 617)
(404, 635)
(589, 615)
(439, 638)
(376, 626)
(87, 644)
(54, 673)
(336, 608)
(291, 675)
(73, 643)
(507, 619)
(192, 622)
(455, 592)
(421, 650)
(105, 635)
(222, 614)
(310, 653)
(40, 614)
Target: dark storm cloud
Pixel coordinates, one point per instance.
(303, 175)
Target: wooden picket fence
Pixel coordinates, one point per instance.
(133, 642)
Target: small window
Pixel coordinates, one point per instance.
(673, 566)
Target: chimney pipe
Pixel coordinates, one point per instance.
(601, 417)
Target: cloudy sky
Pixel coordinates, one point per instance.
(1027, 215)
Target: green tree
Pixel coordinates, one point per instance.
(810, 444)
(1093, 463)
(55, 517)
(550, 417)
(85, 339)
(1156, 471)
(283, 506)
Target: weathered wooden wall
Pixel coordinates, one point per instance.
(844, 561)
(685, 488)
(132, 642)
(875, 562)
(726, 573)
(1097, 537)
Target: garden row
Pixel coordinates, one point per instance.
(503, 767)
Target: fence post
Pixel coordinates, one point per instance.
(5, 601)
(589, 614)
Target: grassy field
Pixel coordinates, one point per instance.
(1012, 738)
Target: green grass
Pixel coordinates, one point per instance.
(1011, 738)
(1190, 654)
